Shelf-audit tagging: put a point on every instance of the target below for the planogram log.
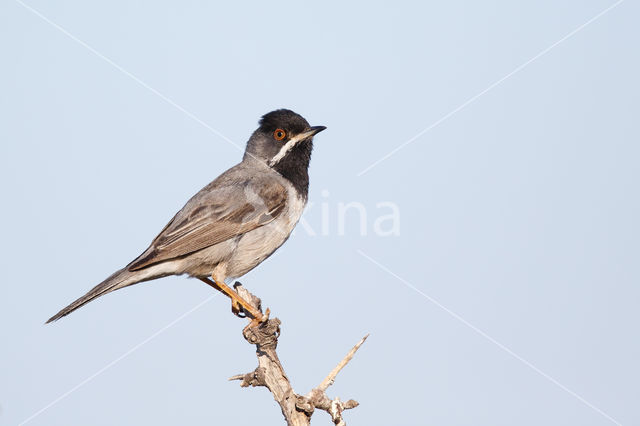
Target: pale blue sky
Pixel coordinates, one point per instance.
(509, 297)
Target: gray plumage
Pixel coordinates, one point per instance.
(237, 221)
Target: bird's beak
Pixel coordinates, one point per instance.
(312, 132)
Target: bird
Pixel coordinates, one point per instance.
(235, 222)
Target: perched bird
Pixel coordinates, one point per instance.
(235, 222)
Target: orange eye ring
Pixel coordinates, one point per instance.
(279, 134)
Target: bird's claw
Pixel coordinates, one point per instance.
(237, 309)
(255, 322)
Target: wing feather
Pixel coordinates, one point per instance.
(220, 211)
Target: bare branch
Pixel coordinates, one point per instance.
(328, 381)
(297, 409)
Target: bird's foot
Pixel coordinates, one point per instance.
(256, 321)
(237, 309)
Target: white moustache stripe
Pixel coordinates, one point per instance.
(286, 148)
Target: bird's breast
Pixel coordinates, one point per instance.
(258, 244)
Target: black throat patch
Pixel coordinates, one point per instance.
(294, 167)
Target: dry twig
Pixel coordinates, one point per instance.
(297, 409)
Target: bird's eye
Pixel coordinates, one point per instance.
(279, 134)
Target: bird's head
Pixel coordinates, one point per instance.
(284, 140)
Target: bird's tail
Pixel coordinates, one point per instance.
(119, 279)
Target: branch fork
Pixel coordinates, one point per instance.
(297, 409)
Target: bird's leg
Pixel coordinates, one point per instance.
(237, 302)
(235, 307)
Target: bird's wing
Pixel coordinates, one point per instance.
(220, 211)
